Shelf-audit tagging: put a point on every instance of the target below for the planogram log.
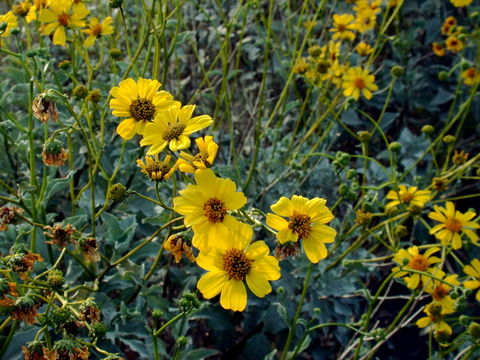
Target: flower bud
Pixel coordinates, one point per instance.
(94, 96)
(474, 329)
(401, 231)
(99, 329)
(394, 146)
(449, 139)
(443, 76)
(364, 136)
(343, 189)
(157, 313)
(464, 320)
(428, 129)
(117, 193)
(115, 54)
(397, 71)
(64, 65)
(80, 91)
(182, 342)
(15, 31)
(351, 174)
(55, 279)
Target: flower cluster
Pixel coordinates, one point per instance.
(62, 20)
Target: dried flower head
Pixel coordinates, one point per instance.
(283, 251)
(67, 350)
(179, 246)
(89, 311)
(7, 214)
(61, 235)
(44, 108)
(89, 249)
(33, 350)
(22, 261)
(53, 153)
(460, 157)
(25, 309)
(8, 293)
(440, 184)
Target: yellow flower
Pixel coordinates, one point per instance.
(205, 207)
(454, 44)
(411, 259)
(300, 67)
(436, 314)
(139, 102)
(335, 73)
(363, 49)
(368, 5)
(448, 23)
(365, 20)
(172, 127)
(471, 76)
(473, 270)
(439, 290)
(331, 51)
(358, 81)
(461, 3)
(410, 196)
(343, 26)
(59, 15)
(34, 9)
(307, 219)
(97, 29)
(155, 169)
(179, 246)
(11, 20)
(453, 225)
(438, 49)
(203, 159)
(234, 262)
(21, 9)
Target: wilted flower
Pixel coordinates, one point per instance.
(8, 293)
(33, 350)
(67, 350)
(44, 108)
(25, 309)
(61, 235)
(7, 214)
(155, 169)
(53, 153)
(89, 311)
(22, 261)
(89, 249)
(179, 246)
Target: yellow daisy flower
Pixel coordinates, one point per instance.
(411, 259)
(59, 15)
(21, 9)
(448, 23)
(408, 196)
(35, 8)
(368, 5)
(471, 76)
(97, 29)
(172, 127)
(438, 49)
(306, 222)
(363, 49)
(440, 290)
(454, 44)
(155, 169)
(11, 20)
(453, 225)
(358, 81)
(139, 102)
(203, 159)
(233, 263)
(343, 26)
(435, 318)
(461, 3)
(473, 270)
(365, 21)
(205, 207)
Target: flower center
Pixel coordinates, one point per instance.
(173, 132)
(236, 264)
(96, 30)
(470, 73)
(454, 225)
(453, 43)
(341, 27)
(142, 109)
(439, 293)
(406, 197)
(157, 170)
(214, 210)
(359, 83)
(300, 224)
(64, 19)
(419, 263)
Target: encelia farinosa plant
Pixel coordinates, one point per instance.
(239, 179)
